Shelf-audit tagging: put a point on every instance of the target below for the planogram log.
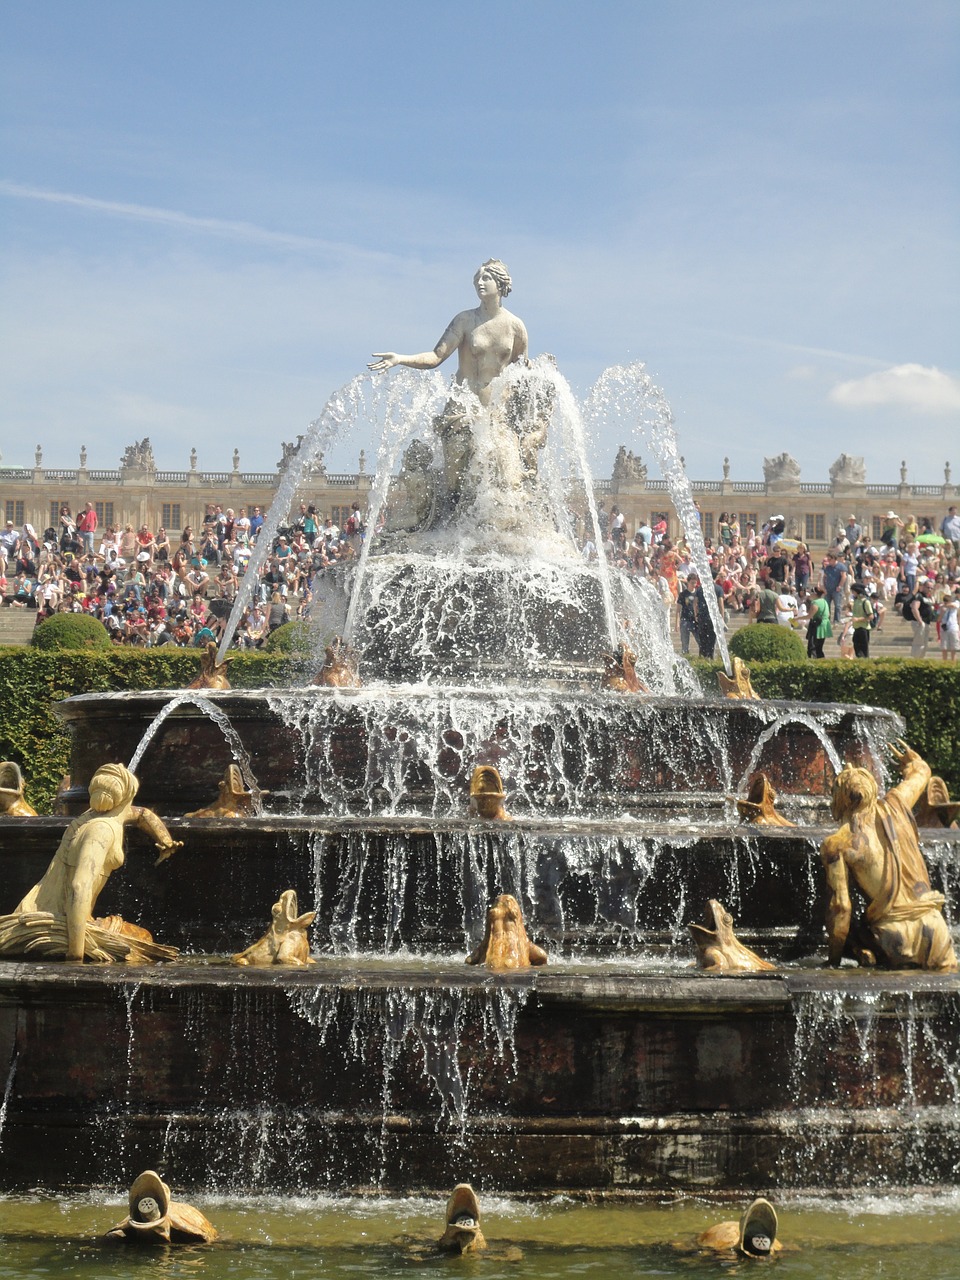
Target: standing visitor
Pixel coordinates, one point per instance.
(862, 621)
(818, 628)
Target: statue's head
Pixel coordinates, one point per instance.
(853, 790)
(112, 786)
(499, 272)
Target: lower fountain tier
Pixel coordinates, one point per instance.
(424, 886)
(406, 750)
(410, 1079)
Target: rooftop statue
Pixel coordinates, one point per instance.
(154, 1219)
(12, 803)
(55, 919)
(486, 339)
(903, 926)
(718, 949)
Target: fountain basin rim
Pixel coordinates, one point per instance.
(677, 833)
(769, 710)
(602, 986)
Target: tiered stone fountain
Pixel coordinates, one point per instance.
(388, 1063)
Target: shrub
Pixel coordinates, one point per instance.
(71, 631)
(292, 638)
(763, 642)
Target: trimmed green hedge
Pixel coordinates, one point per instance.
(765, 642)
(925, 693)
(71, 631)
(31, 681)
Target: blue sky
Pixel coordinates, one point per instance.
(213, 212)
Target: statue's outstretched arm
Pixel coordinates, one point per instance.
(452, 337)
(914, 772)
(147, 821)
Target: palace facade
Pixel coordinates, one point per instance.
(139, 493)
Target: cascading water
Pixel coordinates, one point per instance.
(627, 394)
(482, 635)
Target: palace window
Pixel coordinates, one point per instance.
(170, 513)
(877, 523)
(815, 529)
(15, 512)
(747, 517)
(104, 512)
(706, 519)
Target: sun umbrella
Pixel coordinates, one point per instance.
(931, 539)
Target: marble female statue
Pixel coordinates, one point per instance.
(903, 926)
(55, 919)
(486, 339)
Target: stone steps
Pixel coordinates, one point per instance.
(16, 625)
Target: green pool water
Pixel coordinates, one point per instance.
(914, 1238)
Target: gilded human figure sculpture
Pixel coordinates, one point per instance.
(233, 800)
(12, 803)
(154, 1219)
(487, 339)
(878, 845)
(505, 943)
(719, 950)
(55, 919)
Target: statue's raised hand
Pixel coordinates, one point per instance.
(902, 754)
(383, 360)
(165, 850)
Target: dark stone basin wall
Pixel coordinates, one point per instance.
(548, 1082)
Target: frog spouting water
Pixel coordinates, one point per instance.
(155, 1219)
(505, 943)
(754, 1236)
(718, 949)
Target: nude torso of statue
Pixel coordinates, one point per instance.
(485, 346)
(486, 338)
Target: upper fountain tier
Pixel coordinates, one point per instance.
(476, 574)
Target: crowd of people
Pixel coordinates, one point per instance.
(855, 587)
(148, 588)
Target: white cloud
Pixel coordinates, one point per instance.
(905, 386)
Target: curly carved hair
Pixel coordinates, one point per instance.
(499, 272)
(853, 790)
